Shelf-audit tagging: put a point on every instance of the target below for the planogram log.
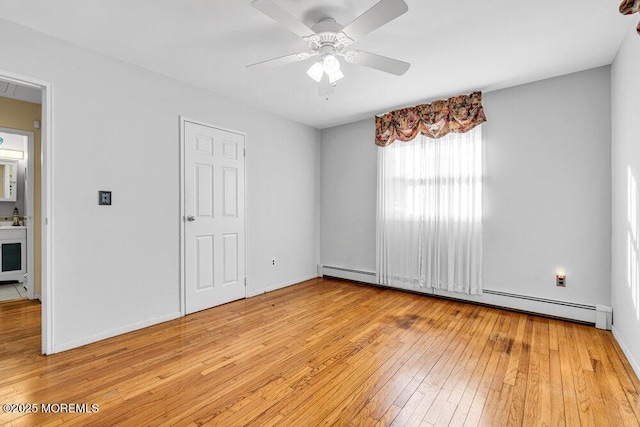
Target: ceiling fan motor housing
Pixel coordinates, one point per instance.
(328, 38)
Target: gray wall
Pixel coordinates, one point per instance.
(547, 190)
(348, 206)
(116, 127)
(625, 246)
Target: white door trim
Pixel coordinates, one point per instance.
(47, 187)
(181, 219)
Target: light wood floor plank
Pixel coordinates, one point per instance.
(584, 399)
(558, 416)
(473, 372)
(326, 352)
(483, 390)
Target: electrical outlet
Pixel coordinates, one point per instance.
(561, 280)
(273, 262)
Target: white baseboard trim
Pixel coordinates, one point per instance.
(626, 351)
(38, 297)
(271, 288)
(348, 274)
(561, 309)
(57, 348)
(554, 308)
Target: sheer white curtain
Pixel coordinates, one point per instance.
(429, 214)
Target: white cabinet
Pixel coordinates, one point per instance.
(13, 253)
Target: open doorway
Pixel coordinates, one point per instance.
(25, 191)
(19, 223)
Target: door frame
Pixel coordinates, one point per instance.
(182, 218)
(29, 199)
(47, 191)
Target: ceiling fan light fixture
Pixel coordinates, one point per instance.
(335, 76)
(316, 71)
(330, 64)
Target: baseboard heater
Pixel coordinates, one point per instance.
(585, 313)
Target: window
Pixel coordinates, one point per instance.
(430, 213)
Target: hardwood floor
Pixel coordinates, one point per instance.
(325, 352)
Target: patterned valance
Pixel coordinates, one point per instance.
(629, 7)
(459, 114)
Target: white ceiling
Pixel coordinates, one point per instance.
(454, 46)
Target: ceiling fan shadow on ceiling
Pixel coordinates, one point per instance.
(328, 40)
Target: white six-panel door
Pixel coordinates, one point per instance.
(214, 231)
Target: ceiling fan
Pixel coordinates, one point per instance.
(329, 40)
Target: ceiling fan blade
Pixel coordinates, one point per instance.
(281, 16)
(379, 14)
(382, 63)
(277, 62)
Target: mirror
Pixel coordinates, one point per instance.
(8, 180)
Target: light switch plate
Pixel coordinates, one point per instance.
(104, 198)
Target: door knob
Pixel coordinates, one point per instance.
(191, 218)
